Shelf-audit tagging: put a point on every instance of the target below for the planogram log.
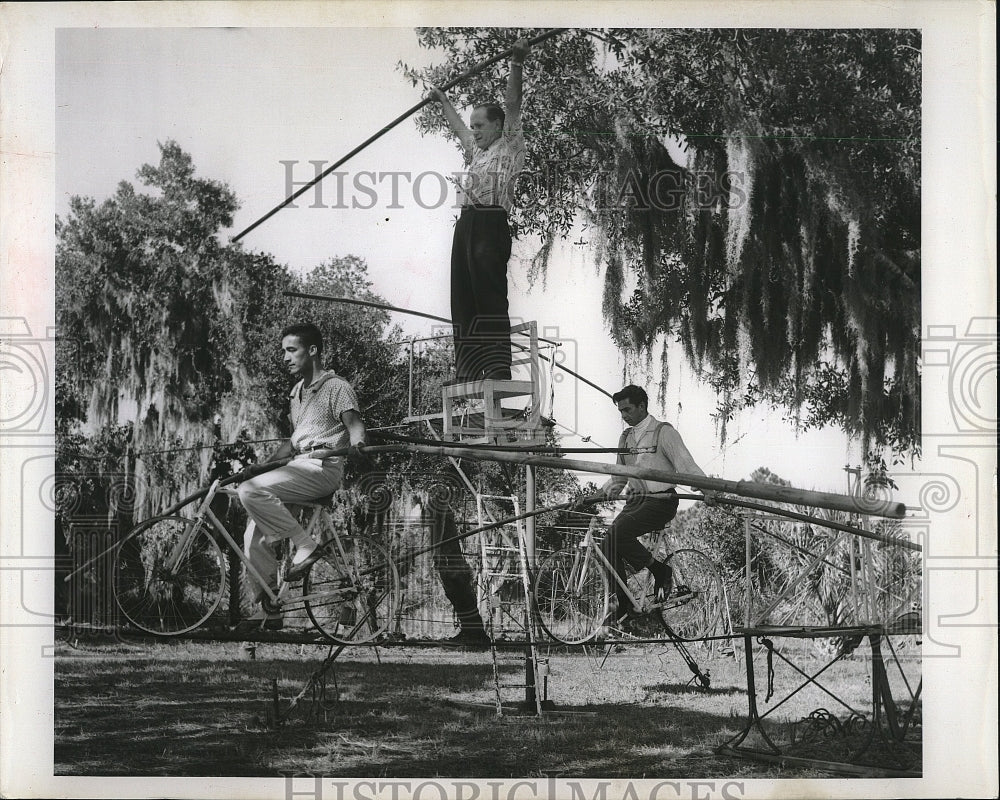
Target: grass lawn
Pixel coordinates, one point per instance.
(180, 708)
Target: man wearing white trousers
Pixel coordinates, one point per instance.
(324, 416)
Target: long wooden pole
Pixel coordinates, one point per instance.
(464, 76)
(895, 541)
(761, 491)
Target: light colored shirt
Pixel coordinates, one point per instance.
(638, 431)
(670, 454)
(316, 409)
(491, 174)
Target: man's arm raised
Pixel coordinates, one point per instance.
(454, 120)
(512, 100)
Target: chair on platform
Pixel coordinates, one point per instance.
(499, 423)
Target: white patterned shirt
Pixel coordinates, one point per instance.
(316, 409)
(491, 173)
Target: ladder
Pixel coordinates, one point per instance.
(535, 667)
(499, 560)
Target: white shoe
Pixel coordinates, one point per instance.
(301, 562)
(302, 553)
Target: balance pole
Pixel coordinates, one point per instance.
(378, 134)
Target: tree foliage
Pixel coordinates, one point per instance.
(854, 581)
(168, 331)
(169, 348)
(784, 253)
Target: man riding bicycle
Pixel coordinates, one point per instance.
(324, 416)
(650, 505)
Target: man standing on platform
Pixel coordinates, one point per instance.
(494, 153)
(650, 505)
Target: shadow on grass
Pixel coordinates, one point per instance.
(194, 717)
(691, 688)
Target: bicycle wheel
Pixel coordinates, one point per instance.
(695, 606)
(166, 601)
(571, 596)
(351, 597)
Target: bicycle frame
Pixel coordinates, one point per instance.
(205, 514)
(590, 547)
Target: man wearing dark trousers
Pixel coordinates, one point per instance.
(494, 153)
(650, 505)
(456, 576)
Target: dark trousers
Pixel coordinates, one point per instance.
(641, 515)
(456, 575)
(481, 324)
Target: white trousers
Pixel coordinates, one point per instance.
(302, 480)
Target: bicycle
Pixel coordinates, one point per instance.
(573, 593)
(170, 576)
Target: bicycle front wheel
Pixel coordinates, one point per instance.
(351, 594)
(695, 606)
(170, 575)
(571, 596)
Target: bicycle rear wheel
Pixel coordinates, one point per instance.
(166, 601)
(351, 596)
(571, 596)
(697, 612)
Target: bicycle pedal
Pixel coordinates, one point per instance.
(269, 607)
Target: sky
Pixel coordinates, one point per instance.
(256, 107)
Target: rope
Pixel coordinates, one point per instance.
(401, 310)
(770, 666)
(395, 437)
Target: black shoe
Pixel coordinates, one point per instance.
(471, 637)
(681, 594)
(298, 571)
(663, 580)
